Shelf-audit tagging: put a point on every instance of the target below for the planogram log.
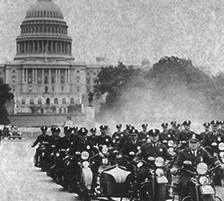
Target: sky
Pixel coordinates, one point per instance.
(130, 30)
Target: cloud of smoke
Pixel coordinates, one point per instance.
(154, 106)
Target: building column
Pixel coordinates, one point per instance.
(38, 46)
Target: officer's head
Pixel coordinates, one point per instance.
(154, 135)
(44, 130)
(82, 133)
(144, 127)
(133, 134)
(206, 126)
(118, 126)
(75, 130)
(173, 124)
(55, 131)
(194, 141)
(93, 131)
(222, 124)
(103, 129)
(187, 125)
(164, 126)
(214, 125)
(177, 127)
(68, 130)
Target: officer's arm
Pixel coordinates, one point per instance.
(167, 155)
(36, 141)
(140, 154)
(211, 160)
(179, 161)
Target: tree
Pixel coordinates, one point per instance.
(5, 96)
(113, 81)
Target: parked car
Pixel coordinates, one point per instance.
(12, 133)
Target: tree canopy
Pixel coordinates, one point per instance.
(5, 96)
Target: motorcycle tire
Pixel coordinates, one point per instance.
(188, 198)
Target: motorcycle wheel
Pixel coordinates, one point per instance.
(161, 192)
(188, 198)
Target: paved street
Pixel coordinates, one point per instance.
(21, 181)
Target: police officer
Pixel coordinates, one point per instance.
(221, 129)
(143, 134)
(165, 135)
(93, 137)
(40, 139)
(117, 135)
(152, 148)
(103, 138)
(193, 154)
(77, 147)
(184, 135)
(206, 131)
(65, 141)
(212, 139)
(130, 148)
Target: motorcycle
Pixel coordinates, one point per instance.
(43, 156)
(217, 150)
(155, 185)
(202, 189)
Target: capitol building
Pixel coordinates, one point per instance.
(44, 76)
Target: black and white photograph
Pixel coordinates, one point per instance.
(112, 100)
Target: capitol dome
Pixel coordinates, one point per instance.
(44, 33)
(45, 9)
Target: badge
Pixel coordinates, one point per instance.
(121, 135)
(88, 147)
(117, 137)
(169, 135)
(201, 159)
(107, 140)
(219, 139)
(138, 147)
(160, 150)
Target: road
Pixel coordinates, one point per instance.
(21, 181)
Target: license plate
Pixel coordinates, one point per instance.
(207, 190)
(162, 180)
(104, 161)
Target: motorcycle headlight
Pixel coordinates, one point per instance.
(84, 155)
(140, 164)
(221, 154)
(214, 144)
(131, 153)
(170, 143)
(104, 149)
(159, 162)
(159, 172)
(85, 164)
(203, 180)
(57, 154)
(202, 168)
(171, 150)
(221, 146)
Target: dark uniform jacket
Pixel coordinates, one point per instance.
(117, 136)
(184, 135)
(131, 146)
(148, 149)
(186, 155)
(142, 136)
(105, 140)
(93, 139)
(80, 146)
(212, 140)
(53, 141)
(63, 143)
(165, 137)
(40, 139)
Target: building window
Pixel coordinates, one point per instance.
(39, 101)
(39, 76)
(78, 88)
(52, 88)
(31, 101)
(78, 79)
(53, 76)
(46, 89)
(72, 101)
(23, 101)
(30, 76)
(62, 88)
(62, 76)
(46, 76)
(13, 78)
(56, 101)
(48, 101)
(13, 71)
(64, 101)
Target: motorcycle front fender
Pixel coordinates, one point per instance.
(87, 177)
(161, 179)
(207, 190)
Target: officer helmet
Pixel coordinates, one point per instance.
(93, 130)
(133, 132)
(164, 125)
(118, 125)
(194, 138)
(43, 128)
(68, 129)
(82, 131)
(153, 132)
(103, 127)
(187, 123)
(206, 124)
